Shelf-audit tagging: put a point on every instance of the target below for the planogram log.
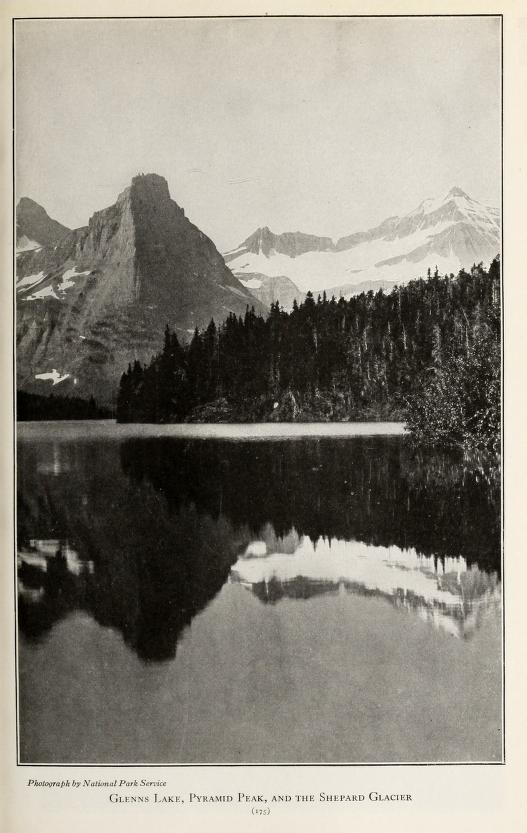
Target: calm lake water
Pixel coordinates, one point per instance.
(254, 597)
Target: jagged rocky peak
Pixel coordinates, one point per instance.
(146, 192)
(150, 191)
(261, 240)
(454, 200)
(151, 186)
(35, 228)
(290, 243)
(138, 234)
(153, 208)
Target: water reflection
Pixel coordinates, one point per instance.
(143, 535)
(376, 490)
(306, 600)
(450, 595)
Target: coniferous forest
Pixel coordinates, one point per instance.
(32, 407)
(428, 353)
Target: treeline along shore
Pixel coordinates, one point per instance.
(32, 407)
(427, 353)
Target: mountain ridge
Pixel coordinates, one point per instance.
(450, 232)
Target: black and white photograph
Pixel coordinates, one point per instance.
(258, 372)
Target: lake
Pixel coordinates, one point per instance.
(255, 594)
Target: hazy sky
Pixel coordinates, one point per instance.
(324, 126)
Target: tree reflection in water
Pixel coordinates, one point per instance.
(143, 534)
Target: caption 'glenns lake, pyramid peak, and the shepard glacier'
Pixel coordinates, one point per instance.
(92, 300)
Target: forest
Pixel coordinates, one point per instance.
(32, 407)
(427, 353)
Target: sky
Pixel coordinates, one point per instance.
(319, 125)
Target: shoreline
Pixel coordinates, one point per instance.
(109, 429)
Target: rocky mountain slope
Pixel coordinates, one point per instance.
(451, 232)
(268, 289)
(290, 243)
(35, 228)
(101, 296)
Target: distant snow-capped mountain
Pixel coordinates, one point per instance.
(451, 233)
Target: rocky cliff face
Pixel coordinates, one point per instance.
(102, 296)
(291, 243)
(35, 228)
(270, 289)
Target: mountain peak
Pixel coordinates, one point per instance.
(153, 181)
(450, 230)
(457, 192)
(147, 195)
(26, 202)
(291, 243)
(34, 226)
(104, 295)
(262, 232)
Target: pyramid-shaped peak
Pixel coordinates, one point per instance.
(457, 192)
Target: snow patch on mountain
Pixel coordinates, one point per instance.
(30, 280)
(252, 283)
(67, 282)
(41, 294)
(24, 244)
(53, 375)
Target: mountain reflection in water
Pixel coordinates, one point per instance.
(142, 535)
(448, 594)
(307, 600)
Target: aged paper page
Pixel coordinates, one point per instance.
(252, 603)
